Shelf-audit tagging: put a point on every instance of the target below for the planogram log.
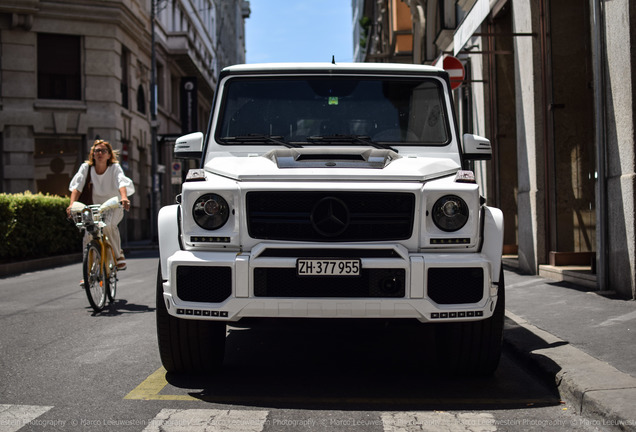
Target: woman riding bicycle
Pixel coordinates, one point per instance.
(108, 180)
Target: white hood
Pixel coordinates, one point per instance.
(352, 164)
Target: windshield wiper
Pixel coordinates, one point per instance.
(259, 139)
(362, 139)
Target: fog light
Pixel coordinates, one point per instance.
(390, 285)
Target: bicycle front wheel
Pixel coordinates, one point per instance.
(94, 279)
(111, 274)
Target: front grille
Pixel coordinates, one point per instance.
(372, 283)
(326, 253)
(455, 285)
(204, 284)
(330, 216)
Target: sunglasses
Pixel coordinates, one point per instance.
(100, 151)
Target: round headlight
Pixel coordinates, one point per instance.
(450, 213)
(210, 211)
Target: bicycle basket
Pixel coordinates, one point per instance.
(87, 217)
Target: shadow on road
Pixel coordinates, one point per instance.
(121, 306)
(352, 365)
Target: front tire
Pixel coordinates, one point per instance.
(473, 348)
(94, 276)
(188, 346)
(111, 280)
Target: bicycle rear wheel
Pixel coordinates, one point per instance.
(94, 279)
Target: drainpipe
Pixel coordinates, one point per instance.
(154, 192)
(598, 55)
(548, 149)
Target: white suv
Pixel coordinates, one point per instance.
(331, 191)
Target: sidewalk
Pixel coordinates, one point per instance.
(585, 341)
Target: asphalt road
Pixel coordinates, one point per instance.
(62, 367)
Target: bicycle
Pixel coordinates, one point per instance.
(100, 263)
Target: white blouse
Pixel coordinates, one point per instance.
(105, 185)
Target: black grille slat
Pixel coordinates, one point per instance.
(204, 284)
(372, 283)
(455, 285)
(370, 216)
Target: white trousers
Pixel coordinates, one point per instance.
(112, 218)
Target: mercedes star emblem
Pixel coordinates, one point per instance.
(330, 217)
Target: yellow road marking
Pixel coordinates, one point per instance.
(151, 387)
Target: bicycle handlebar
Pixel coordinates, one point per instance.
(109, 204)
(96, 212)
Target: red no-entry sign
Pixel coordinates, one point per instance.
(455, 70)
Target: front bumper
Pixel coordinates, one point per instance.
(230, 286)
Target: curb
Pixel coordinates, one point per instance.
(19, 267)
(595, 388)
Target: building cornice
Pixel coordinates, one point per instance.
(135, 21)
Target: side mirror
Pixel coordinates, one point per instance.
(476, 147)
(189, 146)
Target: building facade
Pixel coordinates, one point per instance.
(551, 84)
(74, 71)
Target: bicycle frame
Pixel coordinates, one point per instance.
(104, 243)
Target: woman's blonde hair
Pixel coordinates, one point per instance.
(113, 153)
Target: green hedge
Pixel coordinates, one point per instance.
(35, 226)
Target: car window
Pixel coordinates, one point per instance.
(299, 109)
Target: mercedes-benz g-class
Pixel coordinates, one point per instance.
(328, 191)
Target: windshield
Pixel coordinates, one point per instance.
(312, 110)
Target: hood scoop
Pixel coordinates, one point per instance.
(332, 158)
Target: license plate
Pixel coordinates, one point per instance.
(328, 267)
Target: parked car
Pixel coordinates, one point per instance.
(331, 191)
